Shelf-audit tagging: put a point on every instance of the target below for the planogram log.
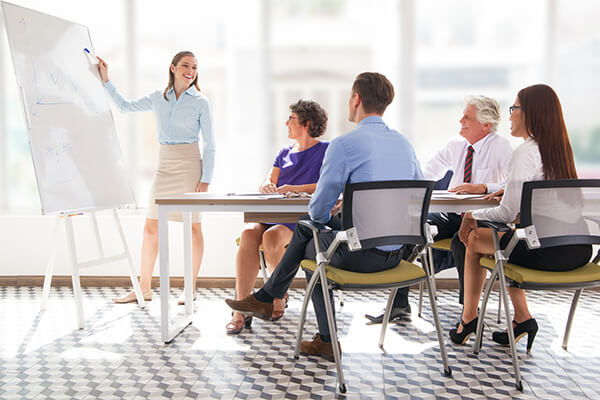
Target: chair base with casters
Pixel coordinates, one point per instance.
(576, 202)
(365, 227)
(444, 244)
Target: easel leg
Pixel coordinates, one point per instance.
(134, 281)
(75, 271)
(97, 234)
(50, 265)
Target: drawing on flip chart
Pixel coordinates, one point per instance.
(59, 159)
(54, 83)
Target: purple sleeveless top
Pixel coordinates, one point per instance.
(299, 168)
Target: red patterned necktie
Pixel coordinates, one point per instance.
(468, 164)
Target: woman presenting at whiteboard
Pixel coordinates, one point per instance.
(182, 114)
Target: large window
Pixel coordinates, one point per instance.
(256, 57)
(575, 64)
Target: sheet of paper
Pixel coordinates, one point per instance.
(251, 194)
(444, 194)
(260, 195)
(204, 195)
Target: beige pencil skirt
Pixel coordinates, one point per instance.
(179, 171)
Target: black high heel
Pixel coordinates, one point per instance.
(529, 327)
(468, 329)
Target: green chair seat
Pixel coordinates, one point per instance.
(237, 241)
(586, 273)
(403, 272)
(262, 262)
(443, 244)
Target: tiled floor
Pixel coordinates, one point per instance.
(119, 353)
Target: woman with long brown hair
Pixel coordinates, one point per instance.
(536, 116)
(183, 114)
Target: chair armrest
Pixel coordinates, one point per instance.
(315, 226)
(596, 259)
(349, 236)
(528, 234)
(431, 231)
(498, 226)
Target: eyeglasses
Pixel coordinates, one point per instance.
(513, 108)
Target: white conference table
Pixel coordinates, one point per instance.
(255, 209)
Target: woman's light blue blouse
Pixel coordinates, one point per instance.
(178, 121)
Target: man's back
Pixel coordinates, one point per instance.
(371, 152)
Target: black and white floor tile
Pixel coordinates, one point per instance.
(119, 354)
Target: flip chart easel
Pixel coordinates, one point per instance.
(76, 154)
(76, 265)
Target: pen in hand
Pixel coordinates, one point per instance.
(89, 53)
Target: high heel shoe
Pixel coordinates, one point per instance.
(529, 327)
(468, 329)
(235, 327)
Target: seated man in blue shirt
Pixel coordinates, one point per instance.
(371, 152)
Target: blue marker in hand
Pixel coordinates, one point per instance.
(90, 53)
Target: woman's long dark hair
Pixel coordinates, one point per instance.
(174, 62)
(544, 122)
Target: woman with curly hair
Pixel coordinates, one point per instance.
(295, 169)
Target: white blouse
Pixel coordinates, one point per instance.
(525, 164)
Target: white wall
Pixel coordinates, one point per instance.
(27, 241)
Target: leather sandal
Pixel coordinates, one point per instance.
(235, 326)
(278, 314)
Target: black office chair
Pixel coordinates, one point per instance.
(553, 213)
(374, 214)
(439, 247)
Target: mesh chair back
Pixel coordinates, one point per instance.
(565, 211)
(387, 212)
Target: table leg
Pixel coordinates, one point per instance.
(168, 334)
(187, 263)
(163, 254)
